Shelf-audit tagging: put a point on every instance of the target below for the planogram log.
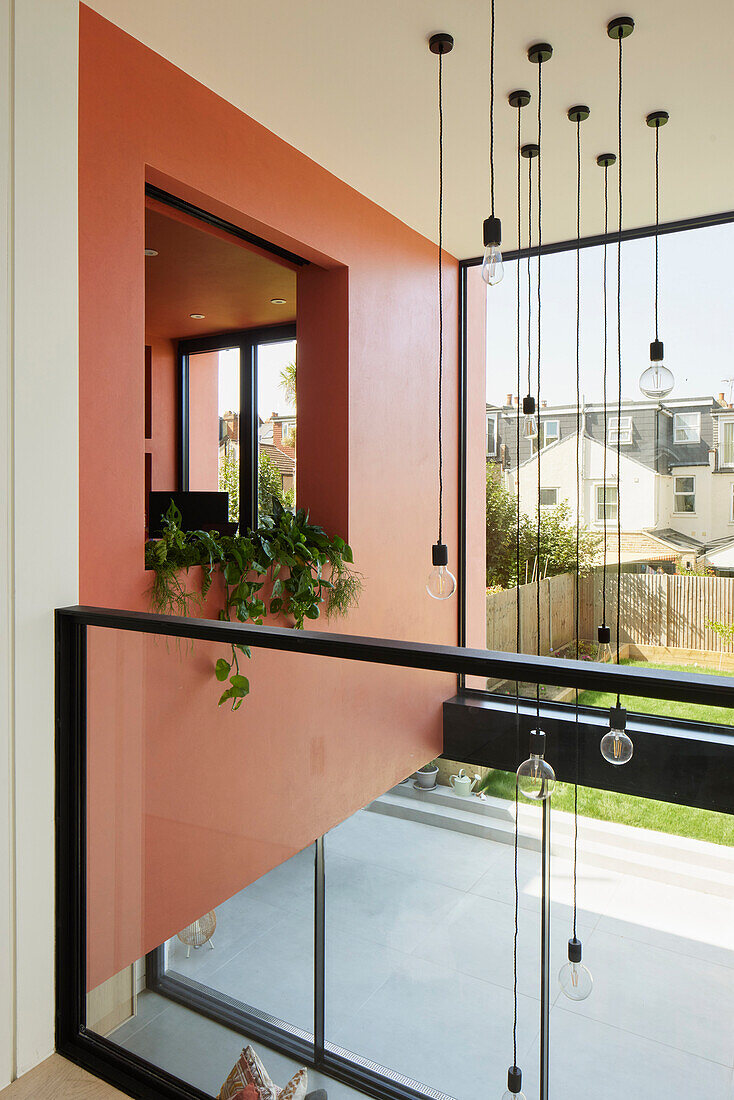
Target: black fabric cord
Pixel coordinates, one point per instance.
(491, 107)
(579, 445)
(606, 410)
(619, 347)
(518, 631)
(538, 401)
(440, 297)
(530, 306)
(657, 223)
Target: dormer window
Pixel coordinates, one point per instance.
(687, 427)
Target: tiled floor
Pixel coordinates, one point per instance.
(419, 971)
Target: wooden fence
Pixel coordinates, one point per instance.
(658, 609)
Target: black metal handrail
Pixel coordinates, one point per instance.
(559, 672)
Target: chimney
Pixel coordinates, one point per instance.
(544, 404)
(509, 400)
(722, 400)
(277, 432)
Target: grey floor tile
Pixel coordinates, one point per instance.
(592, 1059)
(412, 848)
(686, 921)
(381, 905)
(595, 886)
(149, 1005)
(274, 973)
(682, 1002)
(202, 1053)
(240, 920)
(444, 1029)
(476, 938)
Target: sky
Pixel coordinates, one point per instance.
(696, 319)
(271, 359)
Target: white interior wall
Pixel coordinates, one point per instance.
(38, 490)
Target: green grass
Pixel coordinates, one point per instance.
(688, 711)
(627, 809)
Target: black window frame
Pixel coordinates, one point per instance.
(247, 341)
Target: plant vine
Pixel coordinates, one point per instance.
(286, 566)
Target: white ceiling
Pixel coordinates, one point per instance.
(352, 84)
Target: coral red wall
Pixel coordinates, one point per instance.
(162, 444)
(367, 329)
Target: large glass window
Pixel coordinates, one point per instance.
(685, 494)
(238, 420)
(675, 512)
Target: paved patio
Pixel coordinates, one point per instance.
(419, 971)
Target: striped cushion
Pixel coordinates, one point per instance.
(249, 1080)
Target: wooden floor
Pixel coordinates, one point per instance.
(58, 1079)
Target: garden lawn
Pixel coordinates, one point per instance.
(626, 809)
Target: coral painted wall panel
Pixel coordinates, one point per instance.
(176, 784)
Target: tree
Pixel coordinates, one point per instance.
(557, 539)
(501, 523)
(229, 481)
(288, 386)
(270, 487)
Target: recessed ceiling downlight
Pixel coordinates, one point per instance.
(196, 316)
(151, 252)
(277, 301)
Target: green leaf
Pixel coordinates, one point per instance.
(312, 612)
(225, 696)
(244, 649)
(276, 605)
(221, 669)
(240, 683)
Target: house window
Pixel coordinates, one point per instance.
(687, 427)
(684, 494)
(549, 431)
(491, 435)
(606, 503)
(619, 430)
(726, 443)
(731, 511)
(548, 498)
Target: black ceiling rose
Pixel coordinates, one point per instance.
(540, 52)
(519, 98)
(657, 119)
(441, 42)
(530, 150)
(621, 27)
(579, 113)
(606, 160)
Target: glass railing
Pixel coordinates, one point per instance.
(281, 877)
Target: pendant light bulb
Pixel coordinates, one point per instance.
(604, 645)
(441, 583)
(535, 777)
(514, 1085)
(616, 746)
(530, 428)
(656, 381)
(493, 271)
(574, 978)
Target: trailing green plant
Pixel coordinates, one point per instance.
(286, 566)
